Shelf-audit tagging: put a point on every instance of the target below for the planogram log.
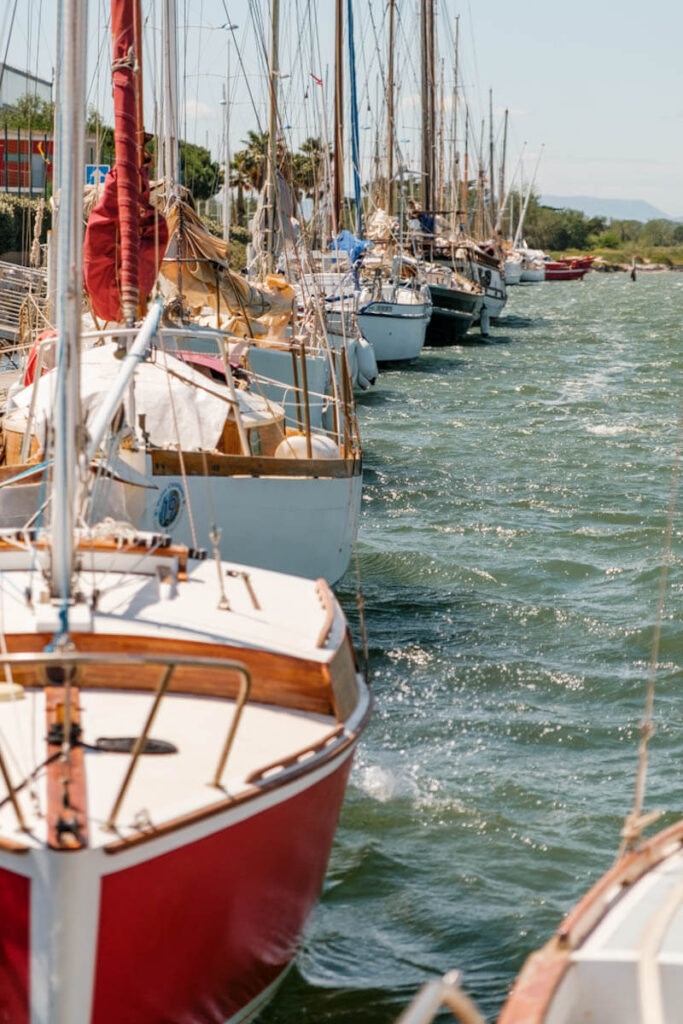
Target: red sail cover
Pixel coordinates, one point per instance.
(121, 239)
(102, 248)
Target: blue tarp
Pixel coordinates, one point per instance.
(347, 242)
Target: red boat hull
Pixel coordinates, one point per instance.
(565, 273)
(193, 927)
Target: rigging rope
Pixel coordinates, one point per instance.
(636, 821)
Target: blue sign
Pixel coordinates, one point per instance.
(95, 173)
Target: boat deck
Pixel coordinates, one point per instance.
(164, 786)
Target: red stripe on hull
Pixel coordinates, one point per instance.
(14, 948)
(195, 934)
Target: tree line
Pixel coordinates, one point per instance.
(556, 230)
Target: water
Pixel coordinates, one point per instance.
(514, 513)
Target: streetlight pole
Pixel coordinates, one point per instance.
(226, 144)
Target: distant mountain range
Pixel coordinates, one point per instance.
(615, 209)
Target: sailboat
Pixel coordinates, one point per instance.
(175, 733)
(279, 488)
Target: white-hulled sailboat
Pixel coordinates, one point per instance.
(175, 733)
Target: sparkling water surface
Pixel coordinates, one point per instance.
(514, 514)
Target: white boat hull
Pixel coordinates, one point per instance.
(533, 274)
(395, 330)
(302, 525)
(513, 271)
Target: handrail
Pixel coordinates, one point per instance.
(77, 659)
(444, 992)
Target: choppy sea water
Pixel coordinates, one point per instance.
(513, 527)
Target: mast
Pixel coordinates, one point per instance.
(391, 187)
(520, 225)
(501, 179)
(441, 133)
(455, 169)
(128, 146)
(271, 178)
(492, 200)
(70, 141)
(465, 171)
(170, 161)
(338, 119)
(355, 141)
(226, 157)
(427, 48)
(139, 112)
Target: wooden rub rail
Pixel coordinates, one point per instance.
(60, 665)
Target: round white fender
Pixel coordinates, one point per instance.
(295, 447)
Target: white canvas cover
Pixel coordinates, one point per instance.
(178, 402)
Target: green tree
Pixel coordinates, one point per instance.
(200, 173)
(30, 112)
(104, 133)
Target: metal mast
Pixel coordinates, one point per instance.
(338, 119)
(70, 141)
(391, 187)
(271, 178)
(170, 164)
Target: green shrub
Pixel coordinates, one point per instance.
(17, 219)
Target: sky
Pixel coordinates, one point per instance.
(596, 84)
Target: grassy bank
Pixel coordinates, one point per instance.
(669, 255)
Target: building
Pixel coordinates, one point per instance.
(15, 83)
(25, 156)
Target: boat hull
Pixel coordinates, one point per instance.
(565, 273)
(533, 274)
(395, 330)
(453, 313)
(196, 926)
(513, 272)
(303, 525)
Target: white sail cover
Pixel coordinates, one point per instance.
(179, 404)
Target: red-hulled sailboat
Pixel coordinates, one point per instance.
(176, 733)
(569, 269)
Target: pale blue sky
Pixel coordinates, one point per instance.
(598, 83)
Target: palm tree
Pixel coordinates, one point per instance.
(239, 179)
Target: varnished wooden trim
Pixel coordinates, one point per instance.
(292, 759)
(327, 601)
(344, 679)
(277, 679)
(626, 871)
(266, 785)
(167, 463)
(529, 1000)
(11, 846)
(76, 810)
(532, 994)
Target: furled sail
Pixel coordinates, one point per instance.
(125, 237)
(202, 274)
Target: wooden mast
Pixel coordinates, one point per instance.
(427, 47)
(455, 168)
(338, 120)
(391, 187)
(492, 199)
(501, 179)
